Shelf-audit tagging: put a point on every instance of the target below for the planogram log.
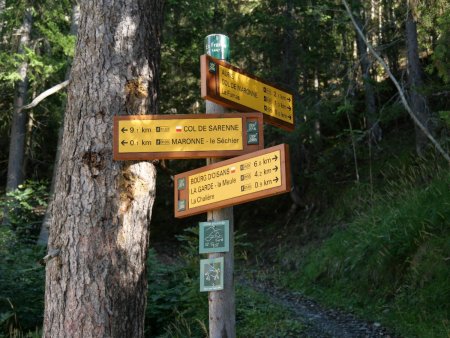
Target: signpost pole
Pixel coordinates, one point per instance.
(222, 310)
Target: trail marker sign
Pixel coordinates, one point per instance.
(232, 87)
(214, 236)
(211, 274)
(234, 181)
(148, 137)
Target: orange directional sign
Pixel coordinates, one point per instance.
(241, 179)
(230, 86)
(147, 137)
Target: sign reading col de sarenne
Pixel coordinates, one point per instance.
(146, 137)
(241, 179)
(232, 87)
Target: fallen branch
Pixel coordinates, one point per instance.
(48, 92)
(397, 85)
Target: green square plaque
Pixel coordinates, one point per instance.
(252, 132)
(252, 126)
(214, 236)
(181, 183)
(211, 274)
(181, 205)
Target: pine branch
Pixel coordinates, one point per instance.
(45, 94)
(397, 85)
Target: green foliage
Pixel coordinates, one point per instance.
(21, 276)
(21, 286)
(445, 116)
(392, 260)
(258, 316)
(176, 308)
(48, 56)
(25, 207)
(441, 56)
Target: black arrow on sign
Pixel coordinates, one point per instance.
(275, 158)
(276, 168)
(124, 129)
(276, 179)
(124, 142)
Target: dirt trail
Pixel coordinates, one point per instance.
(319, 321)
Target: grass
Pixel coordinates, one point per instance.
(391, 263)
(257, 316)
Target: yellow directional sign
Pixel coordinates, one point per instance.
(186, 136)
(232, 87)
(180, 135)
(238, 180)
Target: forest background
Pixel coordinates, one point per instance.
(366, 226)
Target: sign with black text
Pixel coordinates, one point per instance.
(241, 179)
(148, 137)
(232, 87)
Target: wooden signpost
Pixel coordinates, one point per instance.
(232, 87)
(148, 137)
(234, 181)
(254, 174)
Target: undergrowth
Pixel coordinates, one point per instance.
(176, 307)
(392, 261)
(21, 286)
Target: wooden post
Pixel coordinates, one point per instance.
(222, 309)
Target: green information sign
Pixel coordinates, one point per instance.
(218, 46)
(214, 236)
(211, 274)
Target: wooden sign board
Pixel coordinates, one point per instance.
(231, 87)
(149, 137)
(234, 181)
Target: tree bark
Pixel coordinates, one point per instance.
(419, 102)
(2, 21)
(96, 282)
(388, 35)
(369, 93)
(15, 173)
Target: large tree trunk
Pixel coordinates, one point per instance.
(95, 275)
(369, 93)
(418, 101)
(19, 119)
(389, 29)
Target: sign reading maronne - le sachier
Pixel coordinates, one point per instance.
(186, 136)
(241, 179)
(232, 87)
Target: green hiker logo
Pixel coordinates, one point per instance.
(212, 67)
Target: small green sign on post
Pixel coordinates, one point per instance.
(211, 274)
(218, 46)
(214, 236)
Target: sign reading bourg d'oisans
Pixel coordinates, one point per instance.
(234, 181)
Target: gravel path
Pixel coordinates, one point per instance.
(319, 321)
